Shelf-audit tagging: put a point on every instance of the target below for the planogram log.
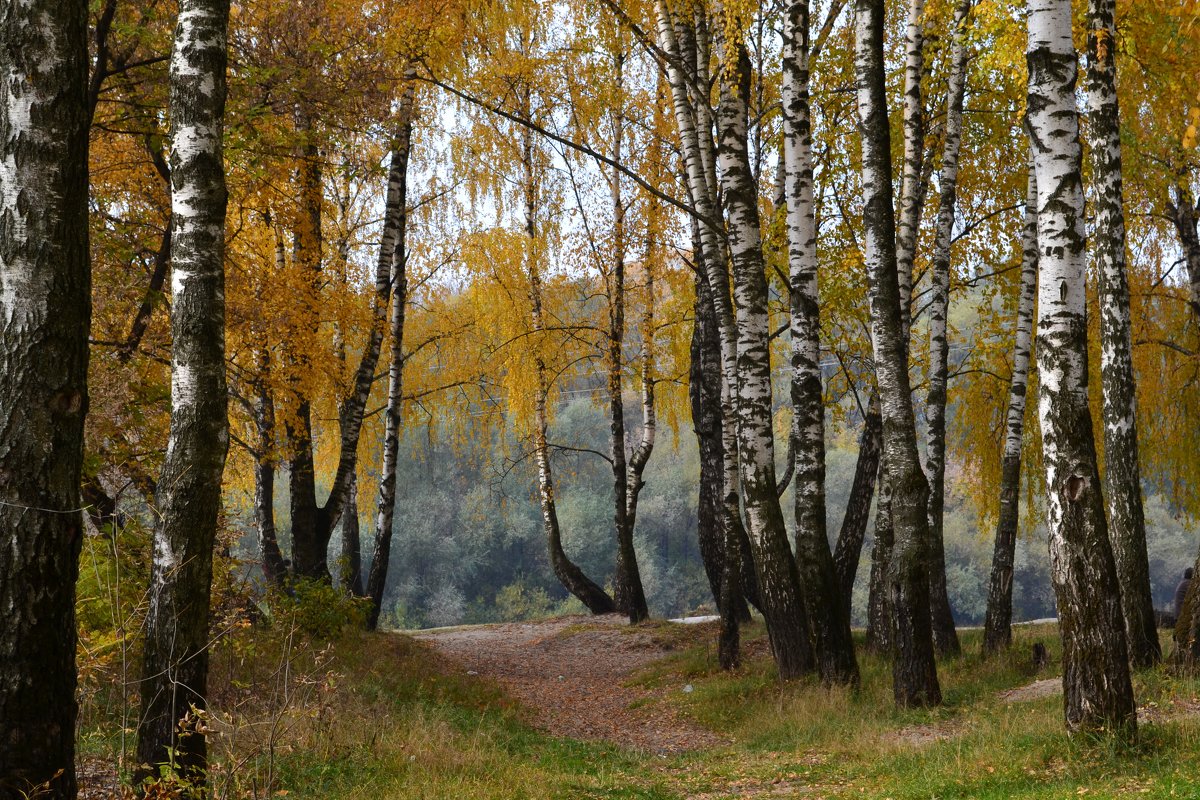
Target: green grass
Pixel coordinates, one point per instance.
(375, 717)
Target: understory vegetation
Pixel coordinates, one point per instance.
(382, 715)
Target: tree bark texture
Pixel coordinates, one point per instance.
(945, 638)
(45, 312)
(997, 624)
(879, 613)
(175, 672)
(1097, 692)
(1122, 473)
(914, 672)
(828, 615)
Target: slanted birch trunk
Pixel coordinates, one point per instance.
(914, 672)
(1122, 473)
(749, 339)
(1097, 692)
(997, 624)
(853, 532)
(188, 504)
(391, 268)
(45, 312)
(945, 638)
(827, 614)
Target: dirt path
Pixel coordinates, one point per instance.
(573, 673)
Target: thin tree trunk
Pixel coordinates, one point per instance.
(352, 577)
(879, 612)
(627, 582)
(945, 638)
(641, 454)
(827, 614)
(175, 673)
(45, 311)
(273, 566)
(912, 190)
(392, 263)
(1181, 207)
(778, 575)
(1122, 474)
(853, 532)
(997, 625)
(1097, 692)
(914, 672)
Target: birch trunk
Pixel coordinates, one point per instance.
(705, 396)
(1097, 692)
(778, 575)
(1122, 476)
(830, 621)
(879, 613)
(391, 267)
(45, 311)
(627, 582)
(273, 566)
(1181, 207)
(352, 577)
(175, 673)
(945, 638)
(914, 672)
(853, 532)
(912, 193)
(687, 72)
(997, 625)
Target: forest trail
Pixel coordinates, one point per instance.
(574, 674)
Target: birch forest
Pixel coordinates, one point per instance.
(574, 399)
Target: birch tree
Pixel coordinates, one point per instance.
(175, 670)
(828, 615)
(45, 312)
(1097, 692)
(390, 267)
(914, 672)
(944, 636)
(997, 625)
(1122, 475)
(745, 340)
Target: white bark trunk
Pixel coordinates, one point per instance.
(1096, 685)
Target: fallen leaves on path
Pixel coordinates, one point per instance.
(573, 673)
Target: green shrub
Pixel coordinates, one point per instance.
(321, 610)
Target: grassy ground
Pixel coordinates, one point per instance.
(375, 717)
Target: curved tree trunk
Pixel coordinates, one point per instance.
(45, 309)
(1097, 691)
(1122, 474)
(853, 532)
(352, 577)
(175, 671)
(945, 638)
(827, 614)
(997, 624)
(914, 673)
